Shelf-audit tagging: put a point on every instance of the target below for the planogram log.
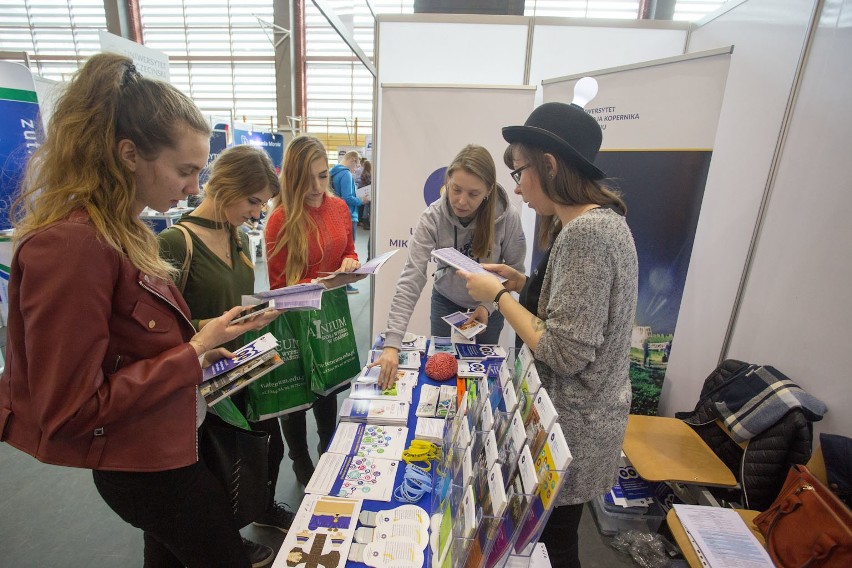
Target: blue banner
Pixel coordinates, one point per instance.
(19, 123)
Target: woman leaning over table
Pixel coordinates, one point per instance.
(308, 232)
(242, 180)
(580, 331)
(473, 216)
(102, 363)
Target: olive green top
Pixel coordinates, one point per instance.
(212, 286)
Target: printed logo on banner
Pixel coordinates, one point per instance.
(434, 186)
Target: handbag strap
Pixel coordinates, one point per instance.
(187, 259)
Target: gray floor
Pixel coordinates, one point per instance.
(52, 517)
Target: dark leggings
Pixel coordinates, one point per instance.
(183, 513)
(295, 428)
(560, 536)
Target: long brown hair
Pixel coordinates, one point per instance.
(477, 161)
(298, 226)
(239, 172)
(78, 164)
(569, 186)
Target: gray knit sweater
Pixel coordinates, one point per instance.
(588, 302)
(438, 227)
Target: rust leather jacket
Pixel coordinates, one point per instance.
(98, 373)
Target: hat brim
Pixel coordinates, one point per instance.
(548, 141)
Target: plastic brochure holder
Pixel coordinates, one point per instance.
(509, 528)
(537, 517)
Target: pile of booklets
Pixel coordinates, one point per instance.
(232, 374)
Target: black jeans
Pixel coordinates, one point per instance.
(295, 429)
(183, 512)
(561, 538)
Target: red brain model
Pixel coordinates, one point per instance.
(441, 367)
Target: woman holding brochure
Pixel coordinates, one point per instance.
(308, 232)
(102, 362)
(474, 217)
(242, 180)
(580, 330)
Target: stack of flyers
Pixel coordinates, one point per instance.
(441, 345)
(472, 351)
(407, 359)
(461, 322)
(232, 374)
(369, 440)
(353, 477)
(401, 390)
(374, 411)
(417, 343)
(337, 279)
(371, 375)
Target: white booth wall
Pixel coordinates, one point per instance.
(795, 306)
(487, 51)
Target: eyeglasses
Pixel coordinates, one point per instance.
(516, 174)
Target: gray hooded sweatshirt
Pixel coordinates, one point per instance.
(437, 228)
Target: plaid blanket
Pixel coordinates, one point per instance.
(758, 397)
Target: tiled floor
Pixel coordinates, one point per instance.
(52, 517)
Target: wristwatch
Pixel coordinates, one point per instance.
(497, 299)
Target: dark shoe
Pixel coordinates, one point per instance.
(304, 469)
(259, 555)
(278, 516)
(350, 289)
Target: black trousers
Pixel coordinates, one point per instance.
(295, 427)
(561, 538)
(183, 513)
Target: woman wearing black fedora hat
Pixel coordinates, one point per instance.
(577, 309)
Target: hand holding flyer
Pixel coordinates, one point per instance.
(461, 322)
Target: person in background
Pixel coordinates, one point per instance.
(473, 216)
(343, 185)
(581, 327)
(103, 364)
(242, 180)
(308, 232)
(363, 179)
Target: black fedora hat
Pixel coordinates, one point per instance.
(566, 131)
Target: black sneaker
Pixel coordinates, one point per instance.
(259, 555)
(278, 516)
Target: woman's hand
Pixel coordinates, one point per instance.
(388, 361)
(214, 355)
(481, 287)
(480, 314)
(348, 265)
(514, 280)
(220, 330)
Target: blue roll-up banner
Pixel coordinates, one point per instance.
(271, 143)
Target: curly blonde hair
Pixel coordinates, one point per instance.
(78, 164)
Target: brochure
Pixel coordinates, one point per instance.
(307, 296)
(407, 359)
(459, 322)
(473, 351)
(247, 352)
(264, 365)
(460, 261)
(441, 345)
(400, 391)
(322, 528)
(369, 440)
(374, 411)
(353, 477)
(372, 266)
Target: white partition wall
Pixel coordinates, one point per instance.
(769, 281)
(566, 46)
(467, 50)
(421, 129)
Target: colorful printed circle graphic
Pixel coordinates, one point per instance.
(434, 186)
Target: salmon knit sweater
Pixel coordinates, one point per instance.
(326, 253)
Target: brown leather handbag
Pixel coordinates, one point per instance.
(807, 525)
